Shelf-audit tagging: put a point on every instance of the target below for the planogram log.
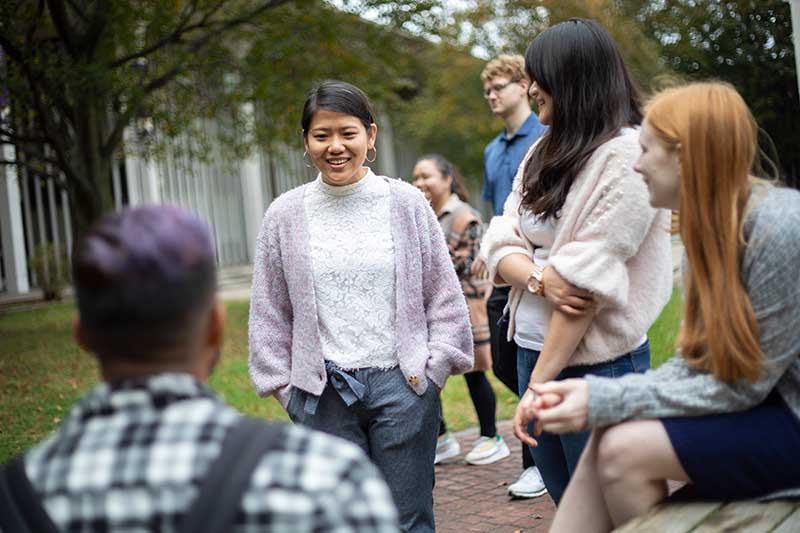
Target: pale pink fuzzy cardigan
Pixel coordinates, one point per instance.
(432, 330)
(608, 240)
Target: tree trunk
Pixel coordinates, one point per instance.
(91, 195)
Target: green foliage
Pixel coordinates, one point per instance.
(50, 269)
(79, 72)
(449, 115)
(508, 26)
(664, 332)
(303, 45)
(747, 43)
(43, 373)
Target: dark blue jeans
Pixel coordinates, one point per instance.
(557, 455)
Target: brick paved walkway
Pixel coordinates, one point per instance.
(475, 498)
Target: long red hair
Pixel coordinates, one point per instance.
(718, 139)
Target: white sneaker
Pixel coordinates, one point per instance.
(446, 448)
(529, 484)
(487, 450)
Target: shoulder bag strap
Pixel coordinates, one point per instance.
(214, 509)
(22, 510)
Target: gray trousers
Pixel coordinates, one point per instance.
(394, 426)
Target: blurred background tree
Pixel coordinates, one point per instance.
(77, 74)
(747, 43)
(450, 115)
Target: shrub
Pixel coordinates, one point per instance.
(51, 270)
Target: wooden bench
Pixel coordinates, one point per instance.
(780, 516)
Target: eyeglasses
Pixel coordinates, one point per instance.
(497, 88)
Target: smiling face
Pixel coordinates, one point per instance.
(429, 179)
(544, 103)
(660, 166)
(337, 144)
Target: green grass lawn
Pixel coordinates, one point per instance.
(43, 372)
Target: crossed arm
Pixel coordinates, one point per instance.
(571, 318)
(564, 296)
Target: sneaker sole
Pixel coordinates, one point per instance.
(446, 456)
(527, 495)
(491, 459)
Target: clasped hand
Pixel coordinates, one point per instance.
(555, 406)
(565, 296)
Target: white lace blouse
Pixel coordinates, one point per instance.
(352, 257)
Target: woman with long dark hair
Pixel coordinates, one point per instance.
(578, 214)
(724, 412)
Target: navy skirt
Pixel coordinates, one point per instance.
(741, 455)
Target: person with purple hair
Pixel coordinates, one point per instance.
(133, 453)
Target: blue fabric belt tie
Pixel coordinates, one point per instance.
(350, 390)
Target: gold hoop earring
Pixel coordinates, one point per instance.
(373, 157)
(305, 153)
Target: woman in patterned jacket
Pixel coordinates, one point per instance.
(443, 186)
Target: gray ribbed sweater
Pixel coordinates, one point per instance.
(771, 276)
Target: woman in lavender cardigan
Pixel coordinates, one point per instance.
(357, 316)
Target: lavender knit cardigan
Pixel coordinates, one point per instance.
(432, 330)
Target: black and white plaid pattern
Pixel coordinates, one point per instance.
(132, 458)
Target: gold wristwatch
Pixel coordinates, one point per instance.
(535, 282)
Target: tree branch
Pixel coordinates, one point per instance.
(193, 47)
(176, 36)
(53, 140)
(31, 156)
(225, 25)
(173, 37)
(35, 81)
(33, 168)
(59, 17)
(77, 9)
(12, 52)
(34, 25)
(10, 137)
(96, 27)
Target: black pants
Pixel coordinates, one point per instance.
(504, 352)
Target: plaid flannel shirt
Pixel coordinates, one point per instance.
(132, 458)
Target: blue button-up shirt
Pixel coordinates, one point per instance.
(502, 157)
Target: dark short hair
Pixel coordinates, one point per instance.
(578, 64)
(142, 276)
(338, 96)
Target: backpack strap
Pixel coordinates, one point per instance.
(22, 509)
(214, 508)
(220, 495)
